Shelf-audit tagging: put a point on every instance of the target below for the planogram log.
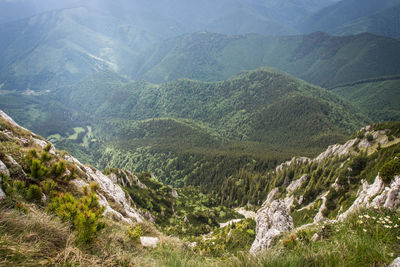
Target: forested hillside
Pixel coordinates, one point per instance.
(317, 58)
(191, 132)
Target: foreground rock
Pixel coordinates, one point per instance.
(376, 195)
(271, 220)
(149, 242)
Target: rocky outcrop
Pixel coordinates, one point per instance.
(336, 150)
(4, 169)
(376, 195)
(111, 195)
(295, 160)
(126, 178)
(319, 216)
(271, 220)
(294, 185)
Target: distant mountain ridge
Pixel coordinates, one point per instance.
(317, 58)
(356, 16)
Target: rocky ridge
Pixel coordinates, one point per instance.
(275, 215)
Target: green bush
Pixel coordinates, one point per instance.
(37, 169)
(34, 193)
(44, 156)
(83, 213)
(135, 232)
(370, 137)
(389, 170)
(59, 168)
(48, 186)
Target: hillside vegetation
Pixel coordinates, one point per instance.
(377, 98)
(200, 133)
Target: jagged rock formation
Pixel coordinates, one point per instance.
(125, 178)
(376, 195)
(314, 190)
(111, 195)
(272, 219)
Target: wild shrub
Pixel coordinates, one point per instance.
(135, 232)
(389, 170)
(58, 169)
(34, 193)
(48, 186)
(84, 214)
(37, 169)
(48, 147)
(44, 156)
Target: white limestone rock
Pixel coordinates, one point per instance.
(319, 216)
(271, 196)
(174, 193)
(336, 150)
(4, 169)
(376, 195)
(222, 225)
(9, 119)
(148, 241)
(395, 263)
(113, 192)
(272, 219)
(39, 142)
(294, 185)
(294, 160)
(126, 179)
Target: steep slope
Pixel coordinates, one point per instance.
(20, 159)
(362, 173)
(385, 22)
(62, 47)
(317, 58)
(344, 12)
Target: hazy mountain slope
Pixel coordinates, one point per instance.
(385, 22)
(377, 98)
(61, 47)
(344, 12)
(317, 58)
(170, 18)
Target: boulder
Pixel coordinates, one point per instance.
(271, 220)
(150, 242)
(395, 263)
